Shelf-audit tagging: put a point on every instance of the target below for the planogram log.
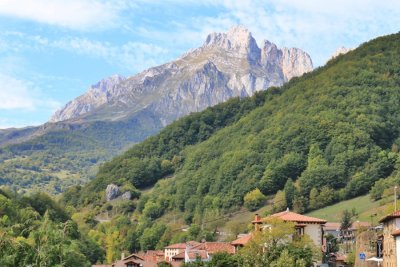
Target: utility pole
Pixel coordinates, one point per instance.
(395, 198)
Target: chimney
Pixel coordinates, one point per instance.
(257, 222)
(122, 256)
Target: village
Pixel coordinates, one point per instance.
(371, 245)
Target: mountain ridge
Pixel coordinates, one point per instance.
(329, 135)
(117, 111)
(255, 69)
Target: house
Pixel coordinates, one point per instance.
(152, 257)
(334, 228)
(175, 249)
(313, 227)
(132, 260)
(304, 225)
(201, 251)
(241, 241)
(337, 259)
(391, 239)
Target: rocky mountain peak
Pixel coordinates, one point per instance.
(238, 39)
(228, 64)
(96, 96)
(106, 83)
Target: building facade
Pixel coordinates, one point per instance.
(304, 225)
(391, 239)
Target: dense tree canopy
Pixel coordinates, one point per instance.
(35, 231)
(327, 136)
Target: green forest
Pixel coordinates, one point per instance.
(330, 135)
(36, 231)
(327, 136)
(69, 154)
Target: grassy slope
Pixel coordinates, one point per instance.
(363, 206)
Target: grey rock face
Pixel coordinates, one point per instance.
(96, 96)
(112, 192)
(126, 196)
(341, 51)
(227, 65)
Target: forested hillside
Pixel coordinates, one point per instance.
(36, 231)
(325, 137)
(334, 129)
(160, 155)
(67, 154)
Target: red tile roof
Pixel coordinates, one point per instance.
(242, 240)
(354, 226)
(396, 233)
(295, 217)
(193, 243)
(197, 253)
(152, 257)
(214, 247)
(394, 215)
(177, 246)
(333, 226)
(179, 256)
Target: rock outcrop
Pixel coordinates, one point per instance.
(340, 51)
(227, 65)
(112, 192)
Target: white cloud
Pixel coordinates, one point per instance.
(20, 94)
(14, 93)
(133, 56)
(318, 27)
(74, 14)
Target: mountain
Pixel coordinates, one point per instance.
(96, 96)
(340, 51)
(118, 112)
(227, 65)
(329, 135)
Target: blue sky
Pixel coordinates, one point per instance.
(51, 51)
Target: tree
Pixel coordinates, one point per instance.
(253, 200)
(223, 259)
(314, 204)
(151, 236)
(299, 204)
(332, 245)
(267, 248)
(346, 220)
(280, 201)
(290, 193)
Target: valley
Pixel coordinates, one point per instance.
(201, 154)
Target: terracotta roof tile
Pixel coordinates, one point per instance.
(295, 217)
(214, 247)
(242, 240)
(396, 233)
(193, 243)
(179, 256)
(197, 253)
(333, 226)
(177, 246)
(393, 215)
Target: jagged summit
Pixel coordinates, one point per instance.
(226, 65)
(96, 96)
(238, 39)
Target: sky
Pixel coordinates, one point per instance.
(51, 51)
